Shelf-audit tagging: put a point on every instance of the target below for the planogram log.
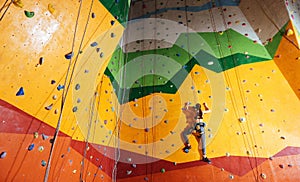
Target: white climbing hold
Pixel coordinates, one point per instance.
(231, 176)
(210, 63)
(227, 154)
(263, 176)
(128, 172)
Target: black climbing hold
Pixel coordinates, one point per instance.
(69, 55)
(29, 14)
(146, 129)
(53, 82)
(20, 92)
(93, 15)
(112, 22)
(94, 44)
(31, 146)
(41, 61)
(77, 86)
(3, 155)
(98, 49)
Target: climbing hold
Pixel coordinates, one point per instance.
(166, 121)
(133, 165)
(74, 109)
(94, 44)
(77, 86)
(45, 137)
(162, 170)
(242, 119)
(54, 97)
(43, 163)
(101, 55)
(53, 82)
(74, 171)
(282, 137)
(60, 87)
(49, 107)
(263, 176)
(129, 159)
(51, 8)
(175, 163)
(290, 165)
(281, 166)
(112, 35)
(289, 32)
(69, 55)
(231, 176)
(249, 152)
(222, 169)
(177, 54)
(272, 110)
(29, 14)
(35, 134)
(3, 155)
(128, 172)
(41, 60)
(18, 3)
(134, 141)
(146, 178)
(146, 129)
(227, 154)
(112, 22)
(31, 146)
(93, 15)
(186, 150)
(210, 63)
(20, 92)
(41, 148)
(271, 158)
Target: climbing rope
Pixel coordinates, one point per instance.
(7, 7)
(250, 142)
(65, 92)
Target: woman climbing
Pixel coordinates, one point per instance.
(197, 129)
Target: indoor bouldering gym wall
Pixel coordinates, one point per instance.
(109, 90)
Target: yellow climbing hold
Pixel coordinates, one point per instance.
(289, 32)
(51, 8)
(18, 3)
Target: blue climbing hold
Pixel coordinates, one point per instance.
(59, 87)
(75, 109)
(43, 163)
(94, 44)
(112, 22)
(184, 66)
(69, 55)
(186, 150)
(177, 54)
(3, 155)
(31, 146)
(20, 92)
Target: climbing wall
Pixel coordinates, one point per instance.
(240, 58)
(47, 49)
(115, 83)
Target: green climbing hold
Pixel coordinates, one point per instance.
(162, 170)
(29, 14)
